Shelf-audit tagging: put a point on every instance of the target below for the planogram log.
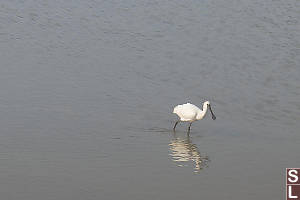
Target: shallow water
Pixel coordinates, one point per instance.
(87, 90)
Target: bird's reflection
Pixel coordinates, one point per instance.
(183, 151)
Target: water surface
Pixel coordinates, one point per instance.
(87, 90)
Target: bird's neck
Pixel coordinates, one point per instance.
(202, 112)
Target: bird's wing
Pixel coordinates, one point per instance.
(181, 108)
(185, 111)
(191, 106)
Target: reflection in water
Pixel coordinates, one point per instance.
(183, 150)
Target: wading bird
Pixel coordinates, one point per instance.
(190, 113)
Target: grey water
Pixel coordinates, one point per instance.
(87, 90)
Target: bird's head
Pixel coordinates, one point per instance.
(207, 103)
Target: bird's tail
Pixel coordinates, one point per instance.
(175, 110)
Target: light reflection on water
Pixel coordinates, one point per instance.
(183, 152)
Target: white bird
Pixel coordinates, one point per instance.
(190, 113)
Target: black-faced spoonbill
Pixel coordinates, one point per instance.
(190, 113)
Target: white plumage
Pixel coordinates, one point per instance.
(190, 113)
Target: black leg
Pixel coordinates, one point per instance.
(176, 125)
(190, 126)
